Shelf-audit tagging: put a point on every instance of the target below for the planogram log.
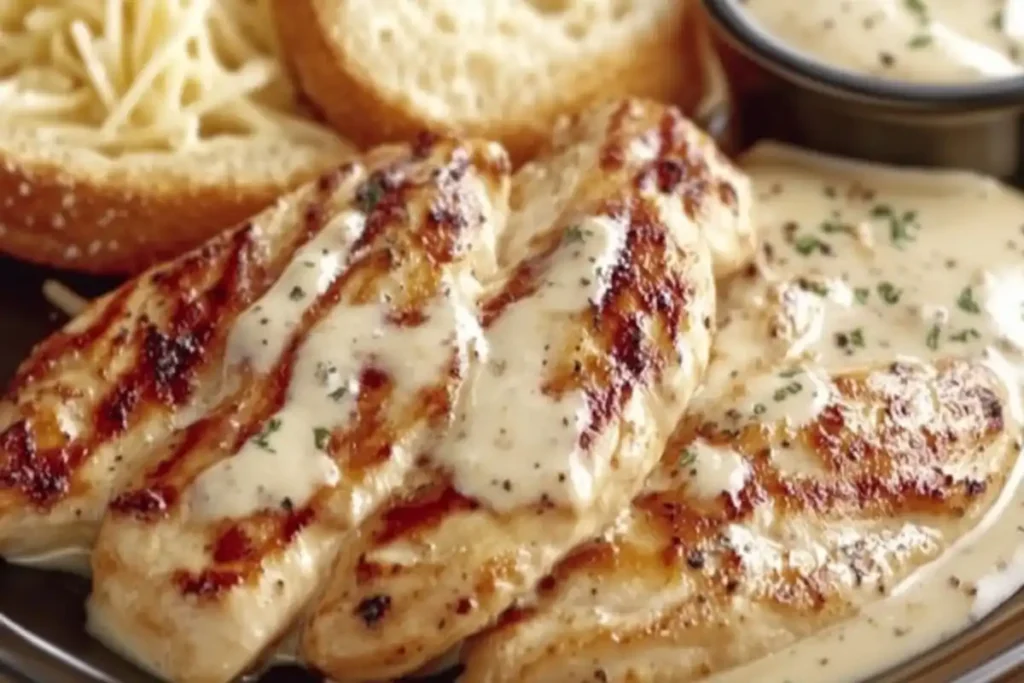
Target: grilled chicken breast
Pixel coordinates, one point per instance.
(89, 407)
(350, 365)
(858, 418)
(693, 581)
(595, 341)
(371, 394)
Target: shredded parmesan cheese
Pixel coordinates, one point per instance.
(123, 76)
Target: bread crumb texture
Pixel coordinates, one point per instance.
(131, 130)
(504, 70)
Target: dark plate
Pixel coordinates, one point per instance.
(42, 639)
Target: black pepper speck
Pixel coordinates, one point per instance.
(372, 609)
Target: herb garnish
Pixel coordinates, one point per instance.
(919, 41)
(263, 438)
(819, 288)
(296, 293)
(901, 226)
(854, 338)
(965, 335)
(688, 457)
(321, 437)
(370, 194)
(889, 293)
(791, 389)
(338, 394)
(574, 233)
(861, 294)
(323, 372)
(966, 301)
(808, 244)
(932, 340)
(833, 226)
(918, 8)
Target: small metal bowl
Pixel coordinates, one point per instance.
(975, 126)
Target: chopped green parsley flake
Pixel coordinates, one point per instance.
(321, 437)
(263, 438)
(996, 21)
(833, 226)
(965, 336)
(850, 340)
(688, 457)
(919, 8)
(889, 293)
(575, 233)
(791, 389)
(966, 301)
(808, 244)
(819, 288)
(902, 227)
(369, 195)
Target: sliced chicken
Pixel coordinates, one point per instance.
(564, 178)
(860, 416)
(349, 367)
(87, 407)
(594, 343)
(755, 532)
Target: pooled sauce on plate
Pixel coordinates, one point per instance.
(924, 41)
(864, 265)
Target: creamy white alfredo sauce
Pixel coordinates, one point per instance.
(261, 332)
(513, 442)
(925, 41)
(866, 265)
(288, 460)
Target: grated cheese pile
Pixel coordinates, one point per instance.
(123, 76)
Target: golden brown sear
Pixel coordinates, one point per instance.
(829, 515)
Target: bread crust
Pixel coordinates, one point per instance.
(70, 209)
(664, 66)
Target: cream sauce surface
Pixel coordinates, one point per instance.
(290, 459)
(925, 41)
(861, 266)
(513, 441)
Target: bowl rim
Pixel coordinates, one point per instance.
(783, 60)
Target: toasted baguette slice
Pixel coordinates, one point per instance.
(501, 69)
(68, 208)
(128, 138)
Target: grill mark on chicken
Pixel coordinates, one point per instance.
(241, 545)
(895, 471)
(162, 372)
(676, 165)
(425, 509)
(618, 344)
(685, 572)
(65, 342)
(39, 462)
(641, 289)
(193, 559)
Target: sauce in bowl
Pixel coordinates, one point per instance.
(917, 41)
